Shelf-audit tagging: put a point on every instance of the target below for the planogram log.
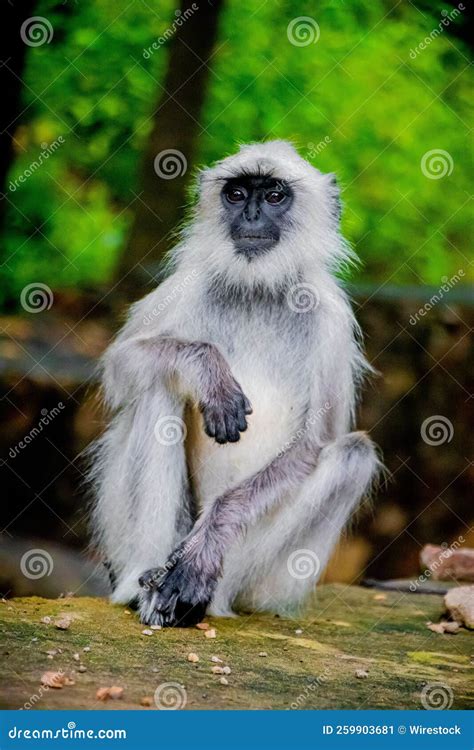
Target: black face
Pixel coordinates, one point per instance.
(256, 208)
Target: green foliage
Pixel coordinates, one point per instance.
(355, 102)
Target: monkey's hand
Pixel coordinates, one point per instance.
(224, 408)
(178, 593)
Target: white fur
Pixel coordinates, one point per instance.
(140, 481)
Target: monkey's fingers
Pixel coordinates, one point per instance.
(247, 405)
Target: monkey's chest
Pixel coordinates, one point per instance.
(275, 419)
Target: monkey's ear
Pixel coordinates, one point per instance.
(335, 196)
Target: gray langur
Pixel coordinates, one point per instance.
(233, 387)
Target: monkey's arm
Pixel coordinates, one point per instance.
(181, 591)
(196, 370)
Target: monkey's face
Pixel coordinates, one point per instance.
(256, 210)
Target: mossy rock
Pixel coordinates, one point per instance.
(346, 629)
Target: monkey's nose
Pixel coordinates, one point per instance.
(252, 211)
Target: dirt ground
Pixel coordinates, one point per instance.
(353, 648)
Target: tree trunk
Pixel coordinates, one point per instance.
(11, 70)
(164, 176)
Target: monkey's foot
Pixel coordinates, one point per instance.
(174, 597)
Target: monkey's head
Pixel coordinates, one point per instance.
(266, 217)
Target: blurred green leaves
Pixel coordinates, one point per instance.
(379, 109)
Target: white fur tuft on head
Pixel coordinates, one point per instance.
(311, 242)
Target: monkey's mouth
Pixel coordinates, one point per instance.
(251, 245)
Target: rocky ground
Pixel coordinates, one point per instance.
(353, 648)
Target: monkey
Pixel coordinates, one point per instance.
(232, 389)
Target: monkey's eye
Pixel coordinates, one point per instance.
(274, 197)
(235, 195)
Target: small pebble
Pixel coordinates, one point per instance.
(155, 627)
(147, 631)
(193, 658)
(82, 668)
(211, 633)
(298, 632)
(146, 701)
(361, 674)
(217, 670)
(216, 660)
(46, 620)
(63, 623)
(263, 653)
(202, 626)
(33, 640)
(226, 670)
(224, 681)
(86, 648)
(76, 657)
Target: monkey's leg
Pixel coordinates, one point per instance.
(182, 590)
(139, 470)
(281, 559)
